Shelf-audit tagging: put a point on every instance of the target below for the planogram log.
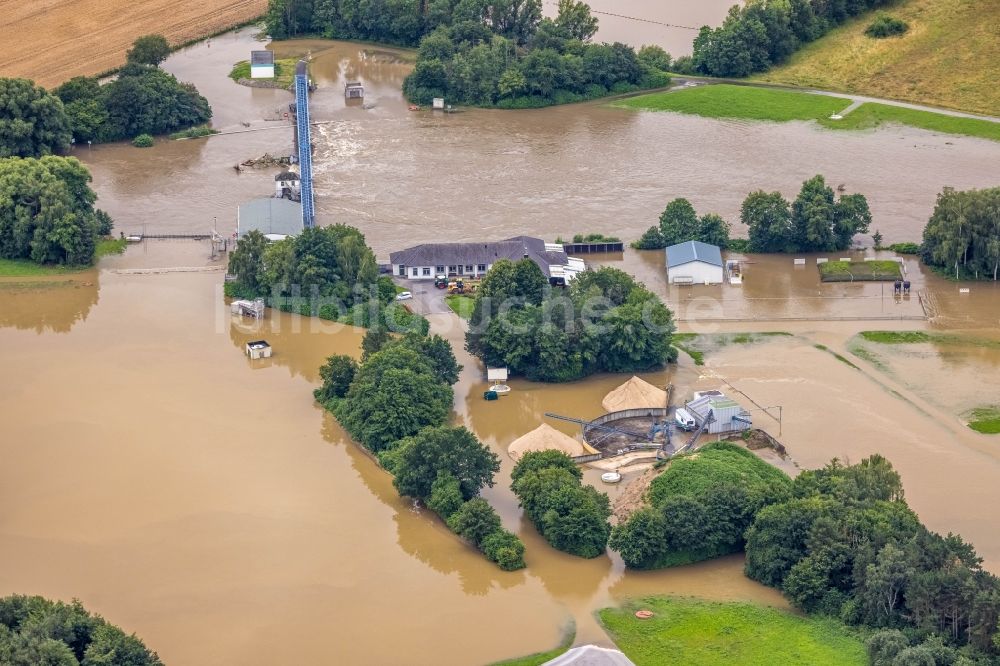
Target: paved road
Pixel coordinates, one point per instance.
(427, 300)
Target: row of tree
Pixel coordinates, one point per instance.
(571, 515)
(700, 508)
(679, 223)
(516, 59)
(758, 35)
(603, 322)
(963, 234)
(36, 631)
(142, 99)
(326, 272)
(396, 404)
(47, 211)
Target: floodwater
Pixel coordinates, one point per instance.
(559, 171)
(209, 504)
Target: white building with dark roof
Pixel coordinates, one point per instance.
(261, 64)
(694, 262)
(424, 262)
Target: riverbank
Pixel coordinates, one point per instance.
(26, 268)
(701, 633)
(949, 57)
(726, 100)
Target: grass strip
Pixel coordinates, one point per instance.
(461, 305)
(985, 420)
(870, 115)
(704, 633)
(860, 271)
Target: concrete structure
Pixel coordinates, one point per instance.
(423, 262)
(729, 416)
(257, 349)
(261, 65)
(694, 262)
(269, 216)
(288, 186)
(591, 655)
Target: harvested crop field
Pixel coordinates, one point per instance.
(59, 39)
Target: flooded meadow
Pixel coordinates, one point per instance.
(208, 504)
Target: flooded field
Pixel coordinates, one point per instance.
(210, 505)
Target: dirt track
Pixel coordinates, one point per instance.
(51, 41)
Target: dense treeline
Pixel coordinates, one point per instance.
(396, 404)
(326, 272)
(47, 212)
(816, 221)
(38, 632)
(484, 52)
(142, 99)
(679, 223)
(33, 122)
(758, 35)
(603, 322)
(963, 234)
(516, 59)
(572, 516)
(700, 508)
(846, 544)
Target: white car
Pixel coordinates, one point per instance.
(404, 296)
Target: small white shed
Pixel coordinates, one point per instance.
(694, 262)
(261, 65)
(258, 349)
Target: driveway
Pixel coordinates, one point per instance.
(426, 299)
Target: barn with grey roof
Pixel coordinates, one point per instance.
(694, 262)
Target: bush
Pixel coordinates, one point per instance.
(446, 494)
(143, 141)
(505, 549)
(886, 26)
(337, 375)
(905, 248)
(474, 521)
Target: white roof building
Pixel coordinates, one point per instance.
(694, 262)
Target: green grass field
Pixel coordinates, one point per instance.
(871, 115)
(950, 57)
(28, 268)
(985, 420)
(460, 305)
(855, 271)
(702, 633)
(730, 101)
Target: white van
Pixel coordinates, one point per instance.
(684, 420)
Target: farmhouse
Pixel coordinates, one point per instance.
(261, 65)
(694, 262)
(424, 262)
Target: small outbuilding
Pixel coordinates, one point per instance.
(694, 262)
(261, 64)
(546, 438)
(728, 415)
(258, 349)
(636, 393)
(354, 90)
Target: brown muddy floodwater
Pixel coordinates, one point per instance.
(212, 507)
(406, 177)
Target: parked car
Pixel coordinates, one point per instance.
(404, 296)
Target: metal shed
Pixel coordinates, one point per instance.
(261, 65)
(729, 415)
(694, 262)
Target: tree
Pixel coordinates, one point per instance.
(654, 57)
(505, 549)
(433, 450)
(475, 521)
(640, 539)
(533, 461)
(148, 50)
(576, 20)
(651, 239)
(376, 337)
(438, 352)
(877, 239)
(679, 222)
(33, 122)
(963, 233)
(813, 216)
(246, 262)
(446, 495)
(147, 100)
(395, 394)
(337, 374)
(713, 230)
(47, 211)
(768, 217)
